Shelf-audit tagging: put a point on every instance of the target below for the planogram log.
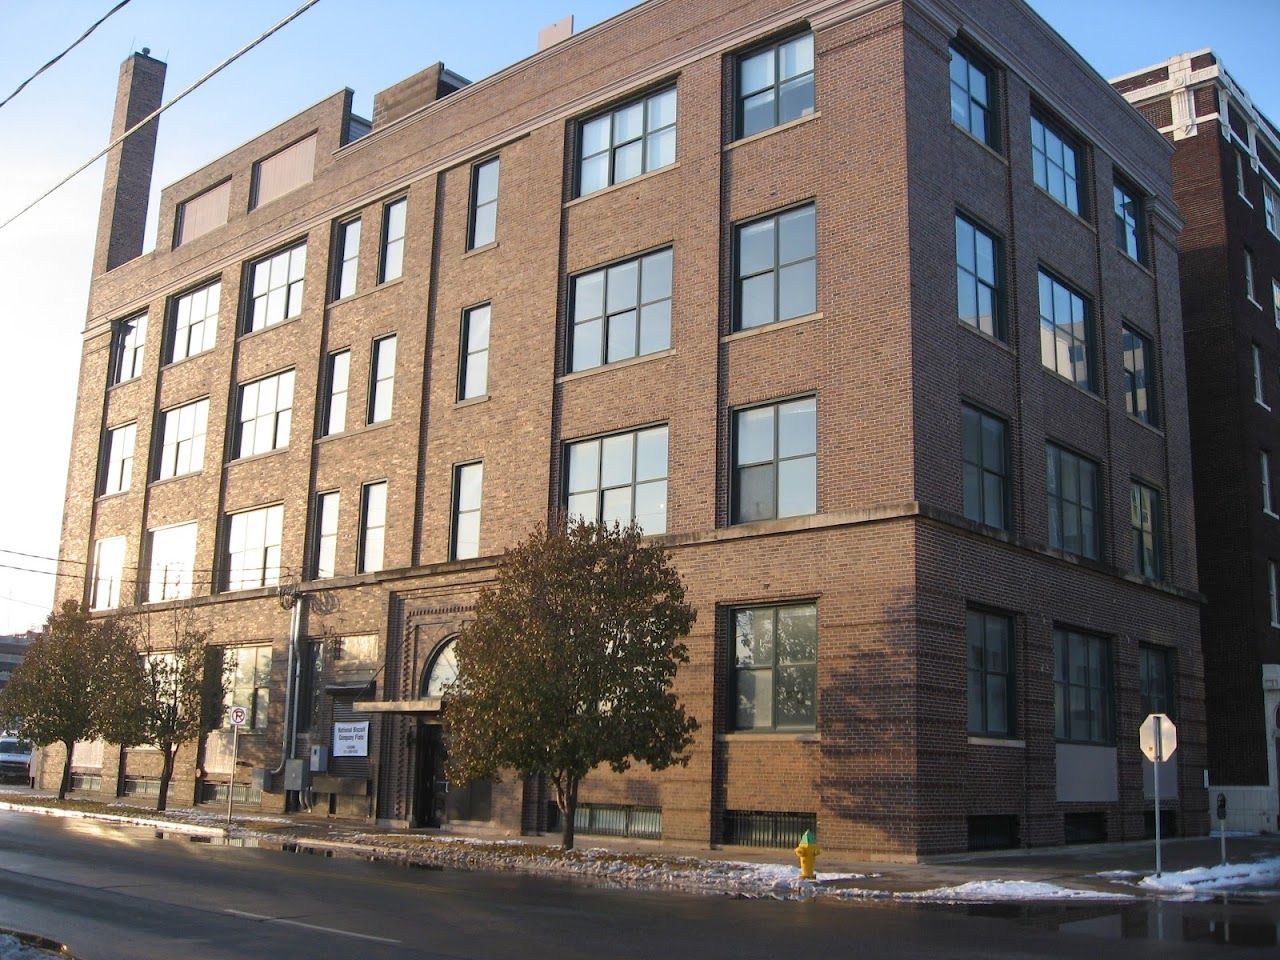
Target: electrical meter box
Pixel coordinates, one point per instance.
(295, 774)
(320, 759)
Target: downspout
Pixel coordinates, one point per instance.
(294, 602)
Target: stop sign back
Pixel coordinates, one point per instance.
(1158, 737)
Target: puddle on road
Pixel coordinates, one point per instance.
(299, 848)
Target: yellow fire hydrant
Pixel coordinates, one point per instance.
(808, 853)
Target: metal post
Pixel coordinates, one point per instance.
(1156, 779)
(1222, 839)
(231, 786)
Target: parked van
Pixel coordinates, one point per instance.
(15, 760)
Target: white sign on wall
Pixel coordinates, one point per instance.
(351, 739)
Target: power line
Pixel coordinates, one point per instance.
(159, 110)
(95, 26)
(38, 556)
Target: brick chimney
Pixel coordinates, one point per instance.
(127, 184)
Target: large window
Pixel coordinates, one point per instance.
(776, 268)
(324, 558)
(468, 483)
(972, 97)
(337, 382)
(1055, 163)
(182, 433)
(1072, 485)
(283, 171)
(266, 414)
(482, 226)
(1274, 601)
(1066, 335)
(620, 478)
(252, 557)
(775, 460)
(1139, 377)
(391, 263)
(775, 661)
(986, 468)
(978, 278)
(775, 85)
(128, 341)
(346, 258)
(108, 573)
(382, 376)
(373, 527)
(626, 142)
(193, 322)
(473, 361)
(117, 465)
(1082, 687)
(1264, 471)
(621, 311)
(991, 673)
(275, 285)
(1144, 519)
(172, 558)
(247, 672)
(1128, 210)
(1259, 384)
(1250, 290)
(1155, 668)
(1270, 208)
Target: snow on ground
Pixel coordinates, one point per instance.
(1259, 875)
(11, 948)
(138, 819)
(988, 890)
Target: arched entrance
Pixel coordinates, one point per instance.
(436, 801)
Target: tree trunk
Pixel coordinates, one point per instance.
(569, 808)
(66, 770)
(166, 774)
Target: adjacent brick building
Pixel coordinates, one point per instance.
(1226, 177)
(868, 310)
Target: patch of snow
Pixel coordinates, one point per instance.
(1261, 874)
(988, 890)
(1119, 874)
(11, 948)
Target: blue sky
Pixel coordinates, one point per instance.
(64, 116)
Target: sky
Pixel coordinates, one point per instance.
(64, 116)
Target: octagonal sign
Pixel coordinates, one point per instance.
(1158, 737)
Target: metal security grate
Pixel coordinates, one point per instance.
(766, 828)
(86, 781)
(608, 820)
(142, 786)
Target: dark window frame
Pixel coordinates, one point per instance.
(975, 60)
(638, 307)
(1146, 528)
(1128, 206)
(599, 490)
(376, 385)
(1104, 686)
(1096, 508)
(774, 45)
(996, 284)
(777, 266)
(121, 331)
(248, 297)
(474, 204)
(318, 535)
(984, 673)
(611, 179)
(772, 668)
(343, 259)
(366, 528)
(456, 511)
(1005, 477)
(1089, 342)
(169, 336)
(467, 354)
(237, 448)
(1079, 177)
(735, 486)
(1143, 345)
(385, 239)
(1167, 699)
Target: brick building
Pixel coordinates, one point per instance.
(826, 294)
(1226, 179)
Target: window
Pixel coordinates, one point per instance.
(621, 311)
(991, 697)
(324, 560)
(775, 85)
(253, 548)
(1259, 387)
(775, 461)
(309, 672)
(1271, 593)
(276, 288)
(626, 142)
(978, 278)
(283, 171)
(971, 96)
(108, 573)
(247, 673)
(337, 380)
(1264, 469)
(1066, 337)
(1155, 668)
(1072, 484)
(1055, 164)
(382, 380)
(1275, 300)
(193, 322)
(777, 268)
(182, 432)
(266, 414)
(473, 367)
(775, 675)
(986, 468)
(1240, 178)
(1250, 290)
(346, 259)
(620, 478)
(1082, 687)
(1144, 518)
(373, 526)
(128, 340)
(1129, 228)
(202, 213)
(1139, 377)
(483, 222)
(117, 468)
(172, 553)
(1270, 211)
(467, 482)
(391, 264)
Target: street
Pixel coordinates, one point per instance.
(113, 893)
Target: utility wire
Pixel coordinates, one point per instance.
(79, 40)
(159, 110)
(40, 556)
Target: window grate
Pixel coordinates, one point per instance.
(610, 820)
(760, 828)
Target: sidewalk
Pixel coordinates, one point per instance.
(1093, 872)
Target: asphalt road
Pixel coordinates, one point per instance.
(122, 893)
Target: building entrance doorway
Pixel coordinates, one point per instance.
(436, 800)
